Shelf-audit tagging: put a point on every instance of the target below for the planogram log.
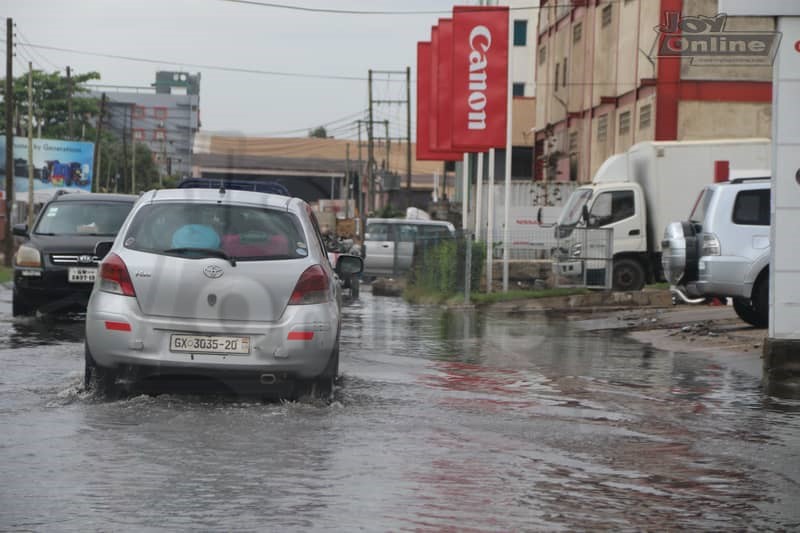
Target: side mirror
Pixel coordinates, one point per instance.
(347, 265)
(539, 216)
(102, 248)
(20, 230)
(585, 214)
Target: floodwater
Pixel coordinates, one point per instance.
(442, 420)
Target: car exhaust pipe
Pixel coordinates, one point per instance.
(268, 379)
(679, 293)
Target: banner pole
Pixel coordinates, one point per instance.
(465, 192)
(479, 198)
(490, 226)
(507, 202)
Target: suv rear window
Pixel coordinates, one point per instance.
(83, 218)
(701, 206)
(244, 233)
(751, 208)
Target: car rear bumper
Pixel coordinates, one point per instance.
(720, 276)
(299, 344)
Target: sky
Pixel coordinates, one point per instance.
(174, 33)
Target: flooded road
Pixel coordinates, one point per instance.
(455, 420)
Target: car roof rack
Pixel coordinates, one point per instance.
(272, 187)
(753, 178)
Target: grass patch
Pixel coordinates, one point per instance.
(658, 286)
(494, 297)
(418, 295)
(6, 274)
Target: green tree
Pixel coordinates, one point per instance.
(50, 105)
(319, 133)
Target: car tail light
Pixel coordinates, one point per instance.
(710, 245)
(114, 276)
(313, 287)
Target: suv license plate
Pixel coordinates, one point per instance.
(82, 275)
(215, 344)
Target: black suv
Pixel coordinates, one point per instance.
(55, 268)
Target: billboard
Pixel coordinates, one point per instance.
(479, 71)
(424, 113)
(56, 164)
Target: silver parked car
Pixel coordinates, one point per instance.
(235, 285)
(389, 243)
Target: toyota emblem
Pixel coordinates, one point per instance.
(213, 271)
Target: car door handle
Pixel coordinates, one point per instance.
(385, 245)
(633, 232)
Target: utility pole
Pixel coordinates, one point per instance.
(347, 181)
(359, 188)
(96, 169)
(370, 154)
(133, 157)
(69, 103)
(408, 136)
(8, 242)
(124, 175)
(388, 151)
(30, 145)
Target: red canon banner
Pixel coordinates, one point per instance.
(480, 78)
(424, 110)
(443, 66)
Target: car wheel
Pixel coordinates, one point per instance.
(19, 307)
(321, 386)
(761, 301)
(97, 378)
(628, 275)
(745, 310)
(354, 287)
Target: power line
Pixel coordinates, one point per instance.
(198, 65)
(330, 11)
(23, 40)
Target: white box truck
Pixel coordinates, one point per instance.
(639, 192)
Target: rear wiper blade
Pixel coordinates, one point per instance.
(216, 252)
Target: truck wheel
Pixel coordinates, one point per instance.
(628, 275)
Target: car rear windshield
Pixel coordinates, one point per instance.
(241, 232)
(83, 218)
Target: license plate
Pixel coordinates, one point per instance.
(82, 275)
(215, 344)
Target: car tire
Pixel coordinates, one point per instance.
(628, 275)
(96, 378)
(19, 307)
(321, 386)
(747, 312)
(761, 301)
(355, 284)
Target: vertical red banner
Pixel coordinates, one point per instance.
(443, 63)
(480, 66)
(424, 109)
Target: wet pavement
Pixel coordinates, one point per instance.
(442, 420)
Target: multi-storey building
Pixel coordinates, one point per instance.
(165, 117)
(602, 87)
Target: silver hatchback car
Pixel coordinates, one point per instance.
(234, 285)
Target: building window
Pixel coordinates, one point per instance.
(602, 128)
(644, 116)
(138, 112)
(542, 54)
(160, 134)
(138, 134)
(160, 112)
(558, 67)
(564, 74)
(518, 89)
(577, 32)
(520, 32)
(606, 16)
(573, 142)
(624, 122)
